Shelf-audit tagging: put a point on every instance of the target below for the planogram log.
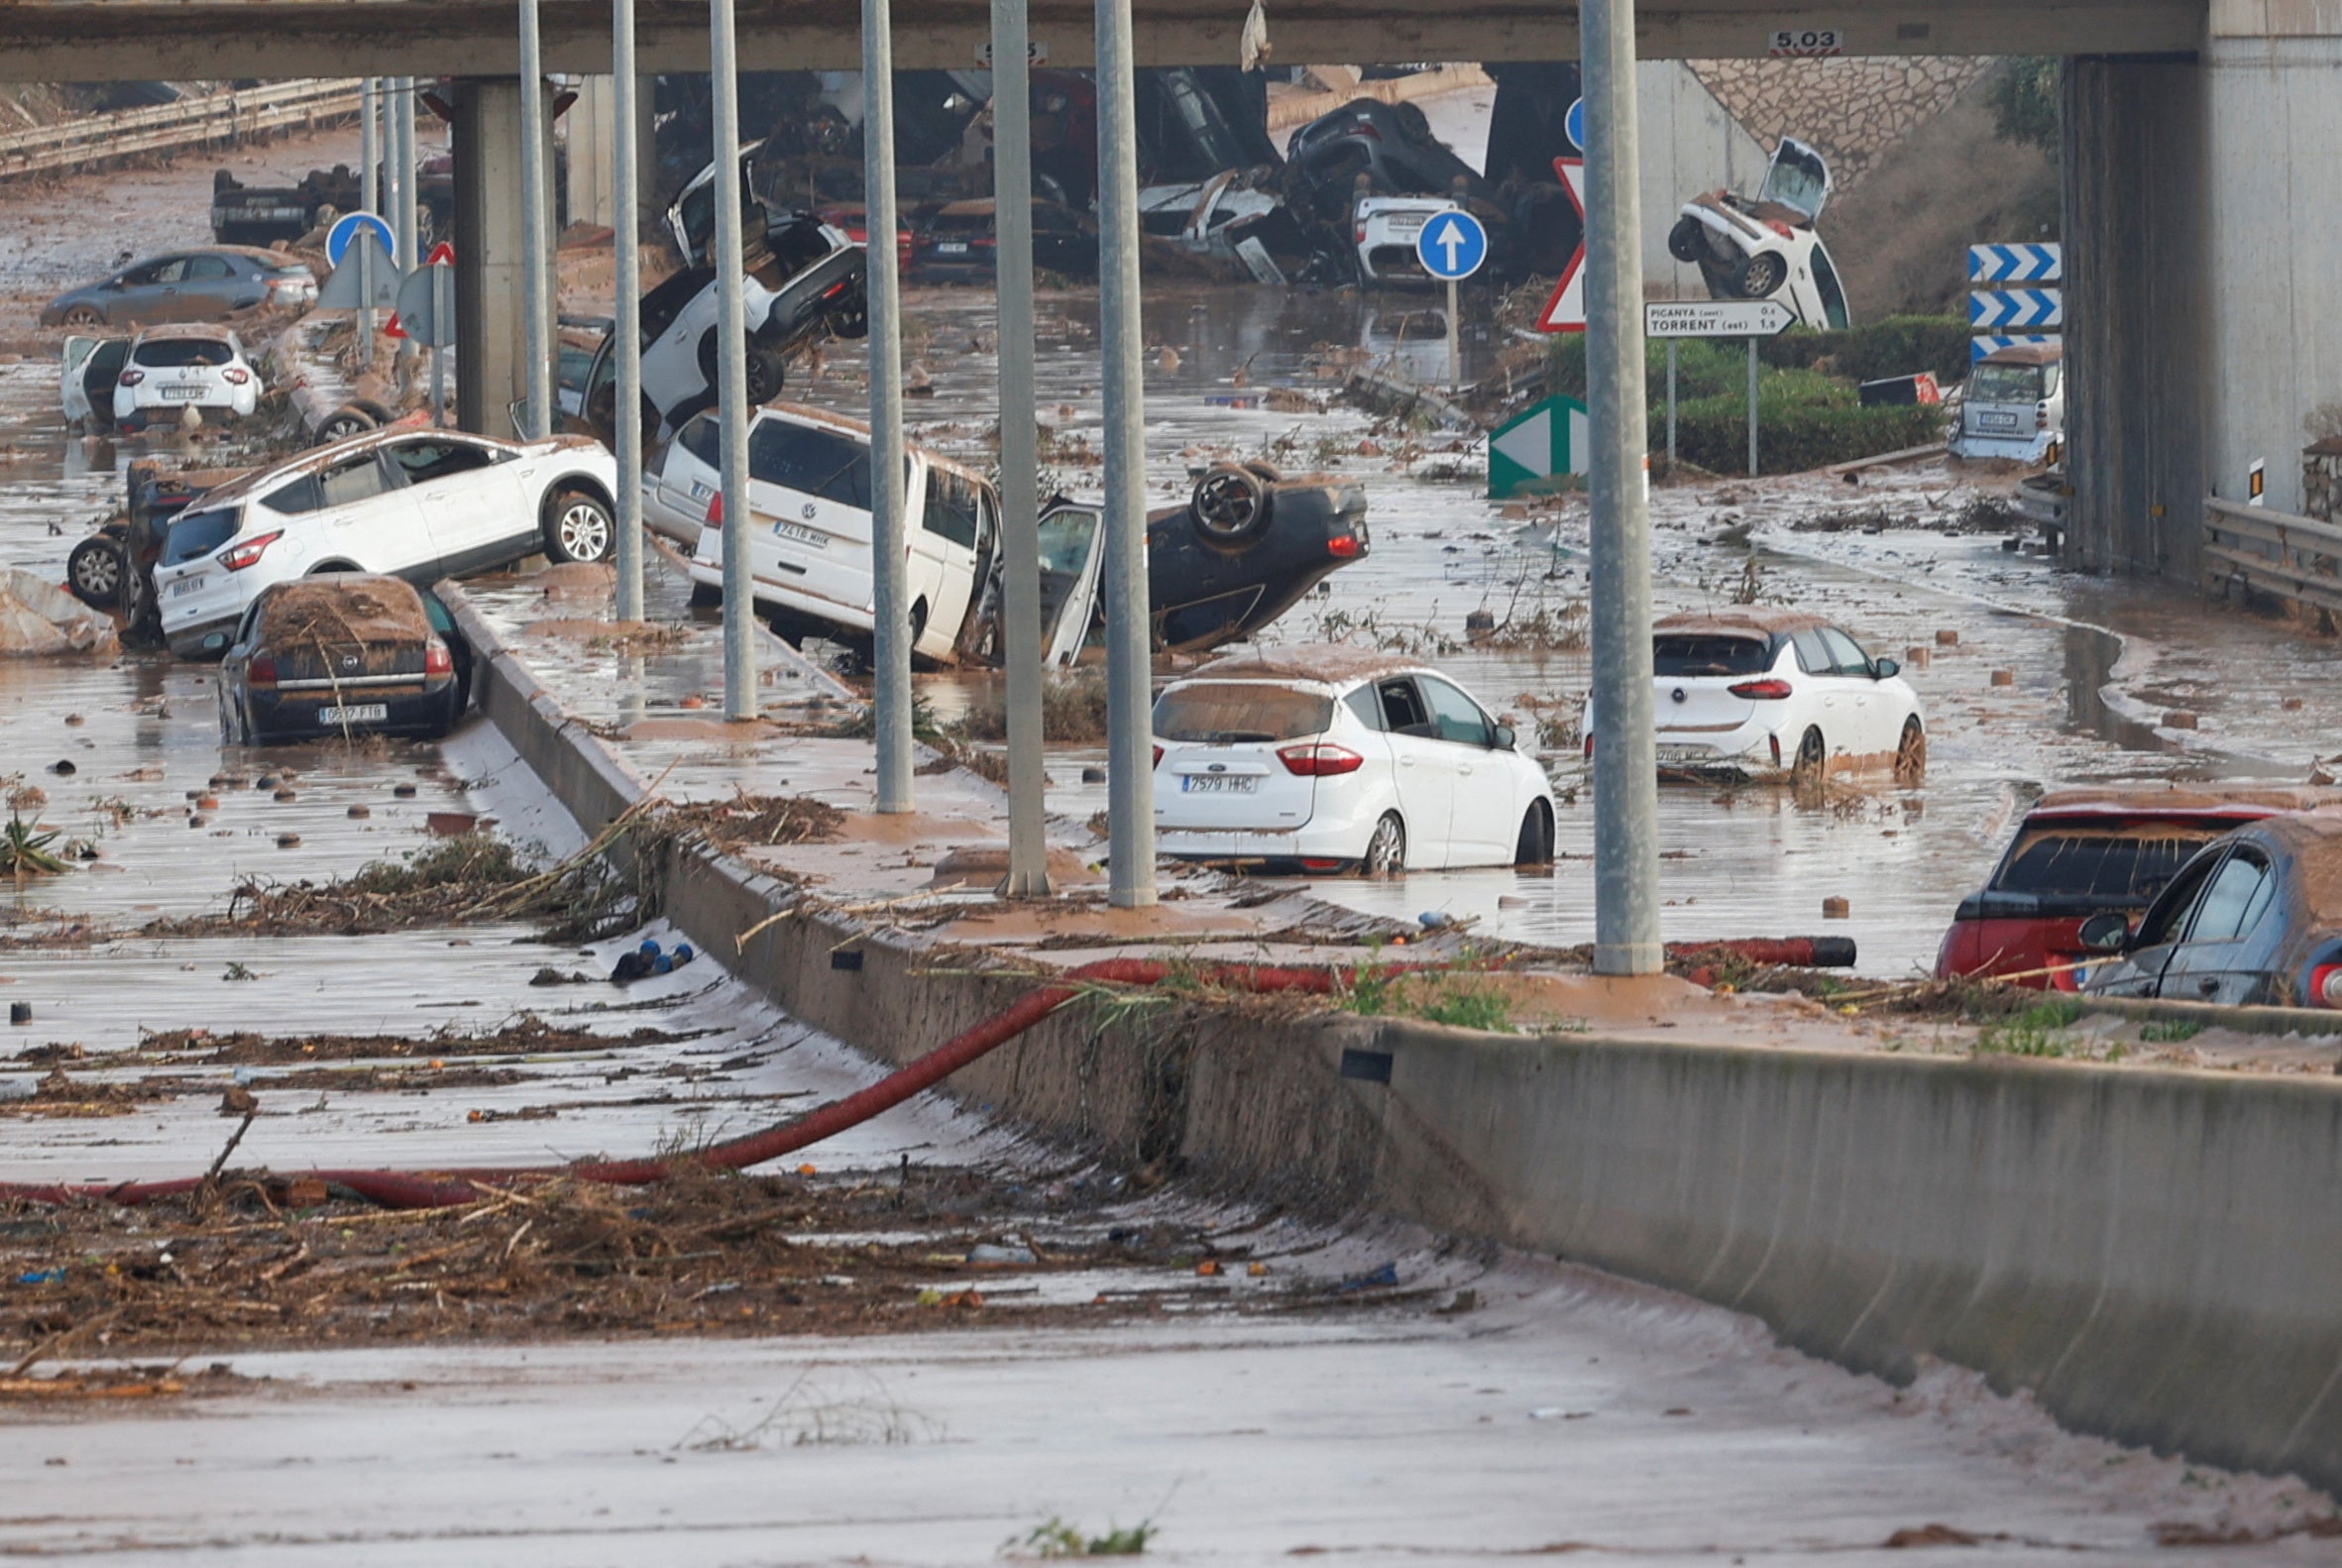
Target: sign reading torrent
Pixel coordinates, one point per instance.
(1716, 318)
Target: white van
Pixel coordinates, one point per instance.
(809, 488)
(2014, 405)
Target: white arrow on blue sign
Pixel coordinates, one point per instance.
(1993, 310)
(345, 229)
(2016, 264)
(1452, 246)
(1986, 344)
(1573, 124)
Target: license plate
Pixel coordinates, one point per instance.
(1404, 225)
(185, 586)
(951, 248)
(184, 393)
(355, 713)
(796, 533)
(1997, 421)
(1219, 784)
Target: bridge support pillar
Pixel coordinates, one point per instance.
(491, 326)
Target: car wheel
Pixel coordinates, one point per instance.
(1688, 240)
(83, 316)
(1385, 850)
(1813, 759)
(1230, 507)
(765, 374)
(94, 571)
(1535, 844)
(1910, 755)
(578, 527)
(1270, 473)
(343, 423)
(1760, 275)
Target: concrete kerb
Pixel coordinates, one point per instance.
(2155, 1254)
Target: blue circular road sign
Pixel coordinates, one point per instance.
(345, 229)
(1452, 244)
(1573, 124)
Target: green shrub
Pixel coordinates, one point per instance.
(1897, 346)
(1793, 437)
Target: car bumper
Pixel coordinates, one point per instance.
(1746, 752)
(429, 711)
(1316, 846)
(2030, 448)
(187, 640)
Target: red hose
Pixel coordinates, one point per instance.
(446, 1189)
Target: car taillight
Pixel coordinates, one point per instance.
(1589, 745)
(235, 376)
(984, 242)
(834, 290)
(1768, 690)
(250, 551)
(1344, 545)
(2325, 985)
(716, 512)
(261, 671)
(1319, 760)
(1314, 863)
(437, 660)
(1359, 238)
(1158, 762)
(1782, 229)
(130, 378)
(1776, 742)
(2041, 417)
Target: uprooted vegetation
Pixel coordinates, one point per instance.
(1073, 711)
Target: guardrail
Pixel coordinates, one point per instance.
(191, 122)
(2273, 552)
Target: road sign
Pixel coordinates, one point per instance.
(1716, 318)
(442, 255)
(2016, 264)
(426, 306)
(1990, 310)
(1566, 311)
(1451, 245)
(1036, 52)
(1985, 344)
(1573, 124)
(345, 229)
(1547, 439)
(368, 281)
(1806, 43)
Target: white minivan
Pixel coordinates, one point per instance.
(2014, 405)
(809, 491)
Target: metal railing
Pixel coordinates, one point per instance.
(224, 117)
(2273, 552)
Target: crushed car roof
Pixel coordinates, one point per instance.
(202, 330)
(1749, 621)
(344, 606)
(1333, 664)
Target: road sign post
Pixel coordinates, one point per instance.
(1451, 248)
(1675, 319)
(1566, 311)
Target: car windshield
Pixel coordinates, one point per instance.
(196, 534)
(1710, 654)
(810, 460)
(1230, 711)
(2005, 383)
(170, 353)
(2126, 864)
(1798, 179)
(1064, 540)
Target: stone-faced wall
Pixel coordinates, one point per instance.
(1852, 109)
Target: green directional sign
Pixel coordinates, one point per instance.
(1546, 440)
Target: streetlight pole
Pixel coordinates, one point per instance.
(890, 576)
(626, 333)
(535, 262)
(731, 372)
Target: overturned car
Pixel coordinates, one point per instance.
(1248, 544)
(1766, 247)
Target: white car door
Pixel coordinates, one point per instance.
(466, 495)
(86, 375)
(1830, 699)
(1485, 824)
(1072, 551)
(366, 517)
(954, 528)
(1420, 761)
(1878, 717)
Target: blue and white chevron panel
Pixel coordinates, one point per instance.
(1987, 343)
(2016, 264)
(2022, 309)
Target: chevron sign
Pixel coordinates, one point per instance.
(2016, 264)
(1985, 344)
(1991, 309)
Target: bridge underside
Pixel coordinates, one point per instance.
(137, 40)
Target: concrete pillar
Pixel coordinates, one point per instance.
(2137, 327)
(492, 359)
(591, 126)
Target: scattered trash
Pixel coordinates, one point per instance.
(1836, 909)
(2178, 719)
(38, 618)
(1384, 1278)
(286, 797)
(360, 813)
(1946, 637)
(42, 1277)
(404, 791)
(1209, 1268)
(985, 1254)
(64, 768)
(649, 959)
(288, 840)
(2004, 677)
(20, 1012)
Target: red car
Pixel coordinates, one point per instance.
(854, 218)
(2083, 853)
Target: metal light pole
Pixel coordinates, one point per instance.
(370, 195)
(1626, 757)
(1020, 505)
(890, 599)
(1130, 781)
(626, 342)
(409, 155)
(536, 264)
(731, 373)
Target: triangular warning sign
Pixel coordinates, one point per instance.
(392, 328)
(1566, 311)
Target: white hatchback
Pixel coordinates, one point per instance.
(420, 505)
(172, 369)
(1776, 694)
(1330, 759)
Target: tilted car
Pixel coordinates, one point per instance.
(1774, 694)
(2080, 853)
(1766, 247)
(342, 653)
(2252, 919)
(961, 242)
(156, 375)
(186, 286)
(420, 505)
(2014, 404)
(1333, 759)
(1248, 544)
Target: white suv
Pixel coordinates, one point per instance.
(170, 369)
(422, 504)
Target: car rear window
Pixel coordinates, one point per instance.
(1225, 710)
(2125, 866)
(170, 353)
(1710, 654)
(2005, 383)
(811, 461)
(196, 534)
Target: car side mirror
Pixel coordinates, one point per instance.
(1884, 669)
(1505, 737)
(2107, 933)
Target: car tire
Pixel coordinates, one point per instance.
(1686, 242)
(578, 526)
(1534, 847)
(1761, 275)
(1230, 507)
(1385, 848)
(82, 316)
(1270, 473)
(344, 422)
(1910, 755)
(767, 369)
(323, 567)
(97, 572)
(1812, 764)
